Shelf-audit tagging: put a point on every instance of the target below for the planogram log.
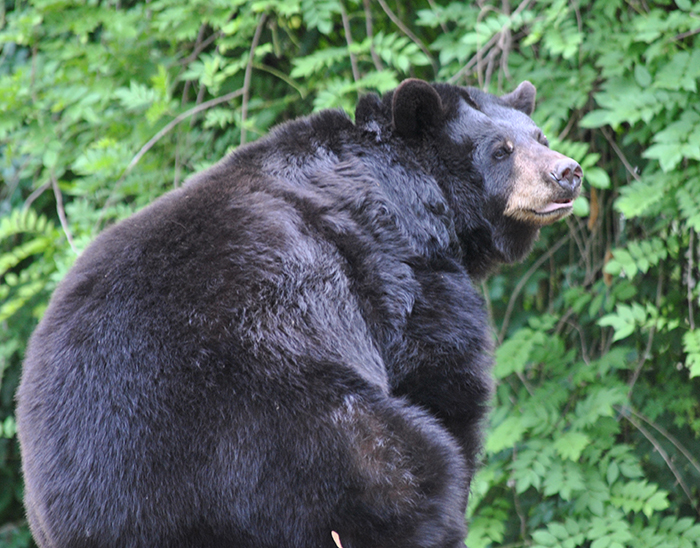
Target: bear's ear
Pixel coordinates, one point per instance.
(522, 98)
(415, 108)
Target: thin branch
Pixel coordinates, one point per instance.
(248, 74)
(370, 34)
(645, 357)
(518, 288)
(186, 90)
(200, 95)
(569, 125)
(694, 463)
(200, 46)
(525, 383)
(647, 351)
(408, 33)
(348, 40)
(480, 53)
(167, 129)
(32, 87)
(475, 59)
(689, 280)
(584, 350)
(435, 9)
(175, 121)
(686, 34)
(664, 456)
(282, 76)
(620, 154)
(61, 212)
(574, 228)
(521, 515)
(487, 300)
(34, 195)
(492, 53)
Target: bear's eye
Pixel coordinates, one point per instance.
(503, 150)
(542, 139)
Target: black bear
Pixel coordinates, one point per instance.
(289, 350)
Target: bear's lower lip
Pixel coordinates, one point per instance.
(554, 207)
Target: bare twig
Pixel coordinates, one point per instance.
(185, 93)
(479, 55)
(526, 384)
(574, 228)
(248, 74)
(36, 193)
(175, 121)
(200, 45)
(61, 211)
(408, 33)
(684, 35)
(647, 351)
(348, 40)
(475, 59)
(518, 288)
(694, 463)
(521, 514)
(504, 44)
(487, 300)
(664, 456)
(569, 125)
(689, 279)
(620, 154)
(434, 7)
(370, 34)
(167, 129)
(282, 76)
(200, 95)
(32, 81)
(481, 51)
(645, 357)
(584, 350)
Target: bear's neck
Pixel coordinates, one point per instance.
(487, 246)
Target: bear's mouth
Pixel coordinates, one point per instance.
(557, 207)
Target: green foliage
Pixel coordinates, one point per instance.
(595, 431)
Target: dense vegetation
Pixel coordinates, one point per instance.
(595, 432)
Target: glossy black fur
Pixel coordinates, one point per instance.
(288, 345)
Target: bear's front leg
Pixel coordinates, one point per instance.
(443, 361)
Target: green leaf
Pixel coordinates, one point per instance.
(506, 434)
(512, 356)
(571, 444)
(642, 76)
(691, 346)
(640, 197)
(581, 207)
(544, 538)
(597, 177)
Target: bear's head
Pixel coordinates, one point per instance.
(494, 164)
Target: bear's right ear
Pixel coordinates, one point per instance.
(522, 98)
(415, 108)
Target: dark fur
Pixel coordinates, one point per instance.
(288, 345)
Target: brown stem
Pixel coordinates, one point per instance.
(61, 211)
(348, 40)
(665, 456)
(620, 154)
(247, 77)
(518, 288)
(408, 33)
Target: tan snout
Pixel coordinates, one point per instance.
(546, 183)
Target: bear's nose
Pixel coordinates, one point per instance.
(567, 173)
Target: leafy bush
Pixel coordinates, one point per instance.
(595, 432)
